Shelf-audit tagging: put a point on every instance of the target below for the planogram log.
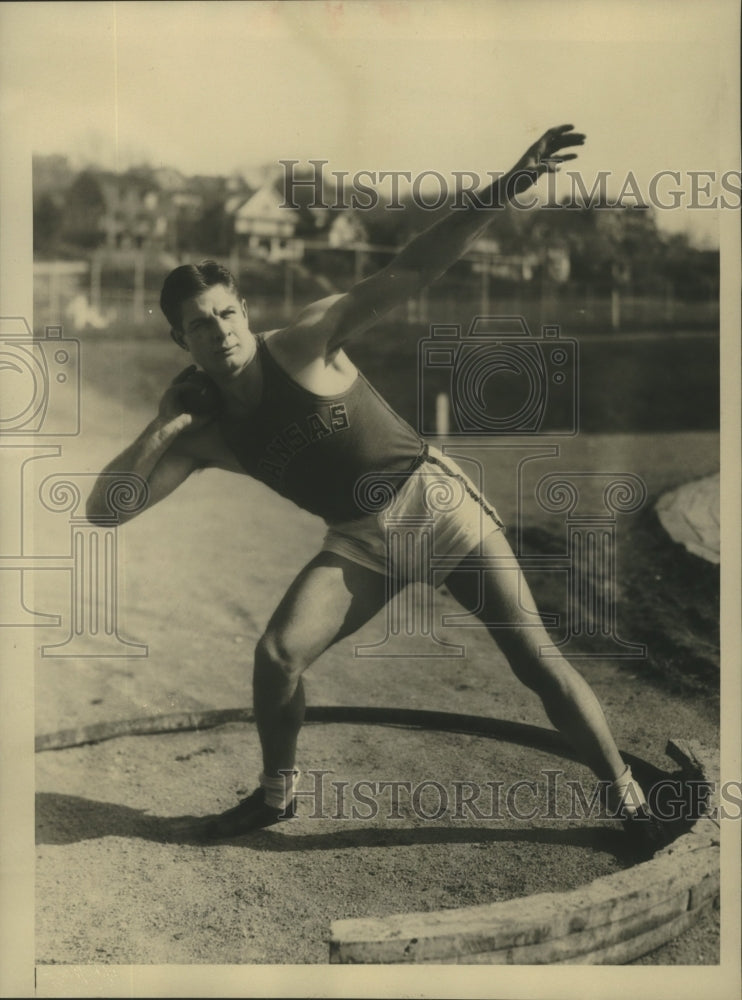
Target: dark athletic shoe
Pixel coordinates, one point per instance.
(251, 814)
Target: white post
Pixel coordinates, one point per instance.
(441, 414)
(484, 305)
(95, 280)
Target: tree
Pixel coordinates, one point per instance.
(83, 213)
(47, 223)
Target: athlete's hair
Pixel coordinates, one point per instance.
(187, 281)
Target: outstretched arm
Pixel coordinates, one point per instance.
(432, 252)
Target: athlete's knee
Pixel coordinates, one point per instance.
(535, 660)
(279, 662)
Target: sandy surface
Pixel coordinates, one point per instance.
(199, 576)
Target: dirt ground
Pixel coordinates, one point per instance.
(199, 576)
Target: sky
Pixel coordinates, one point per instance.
(436, 85)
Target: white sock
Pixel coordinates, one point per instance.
(625, 794)
(279, 791)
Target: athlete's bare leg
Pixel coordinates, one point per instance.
(330, 599)
(568, 700)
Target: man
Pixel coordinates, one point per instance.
(291, 409)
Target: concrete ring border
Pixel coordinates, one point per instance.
(610, 921)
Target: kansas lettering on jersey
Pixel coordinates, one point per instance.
(293, 438)
(313, 449)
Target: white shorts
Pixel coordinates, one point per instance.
(437, 514)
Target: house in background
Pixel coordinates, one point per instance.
(552, 262)
(346, 230)
(267, 230)
(137, 212)
(488, 259)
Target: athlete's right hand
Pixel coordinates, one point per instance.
(190, 401)
(545, 155)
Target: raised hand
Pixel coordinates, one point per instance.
(544, 155)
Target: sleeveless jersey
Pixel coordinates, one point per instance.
(313, 449)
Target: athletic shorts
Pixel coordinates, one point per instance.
(437, 514)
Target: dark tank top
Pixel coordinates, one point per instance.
(313, 449)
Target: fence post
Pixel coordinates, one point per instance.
(484, 306)
(138, 301)
(288, 288)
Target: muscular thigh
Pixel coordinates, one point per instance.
(501, 598)
(331, 598)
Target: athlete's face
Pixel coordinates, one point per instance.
(215, 331)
